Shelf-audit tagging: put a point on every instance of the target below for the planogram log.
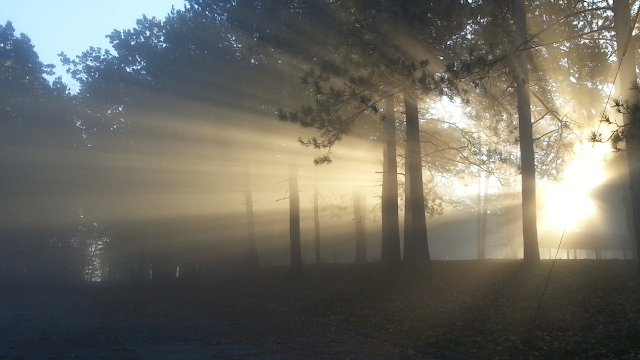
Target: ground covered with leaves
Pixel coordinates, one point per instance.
(174, 320)
(494, 309)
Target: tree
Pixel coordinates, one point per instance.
(366, 66)
(416, 193)
(390, 254)
(277, 40)
(629, 107)
(208, 57)
(483, 204)
(38, 174)
(160, 70)
(252, 248)
(554, 41)
(316, 220)
(525, 128)
(359, 219)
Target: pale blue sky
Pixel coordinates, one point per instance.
(71, 26)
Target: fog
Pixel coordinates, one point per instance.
(145, 173)
(172, 195)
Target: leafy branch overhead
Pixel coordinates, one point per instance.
(344, 91)
(623, 136)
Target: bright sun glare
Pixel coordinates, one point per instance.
(569, 202)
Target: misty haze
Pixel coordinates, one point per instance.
(286, 179)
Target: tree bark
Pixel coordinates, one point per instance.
(390, 252)
(514, 217)
(422, 260)
(316, 221)
(479, 217)
(482, 217)
(251, 247)
(627, 78)
(359, 220)
(409, 248)
(252, 259)
(485, 212)
(294, 219)
(294, 195)
(527, 156)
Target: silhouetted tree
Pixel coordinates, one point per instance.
(525, 128)
(359, 219)
(376, 61)
(39, 144)
(390, 222)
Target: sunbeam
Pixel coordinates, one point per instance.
(569, 202)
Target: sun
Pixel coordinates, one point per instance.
(566, 206)
(568, 202)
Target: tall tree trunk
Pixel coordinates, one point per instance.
(482, 246)
(527, 156)
(251, 247)
(294, 195)
(294, 219)
(408, 256)
(390, 252)
(479, 218)
(416, 192)
(514, 218)
(316, 221)
(482, 208)
(359, 220)
(627, 79)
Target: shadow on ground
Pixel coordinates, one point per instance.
(156, 323)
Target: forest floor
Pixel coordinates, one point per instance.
(172, 321)
(493, 309)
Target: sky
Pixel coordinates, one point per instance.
(72, 26)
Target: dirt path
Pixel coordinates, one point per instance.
(47, 323)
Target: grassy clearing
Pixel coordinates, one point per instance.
(481, 309)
